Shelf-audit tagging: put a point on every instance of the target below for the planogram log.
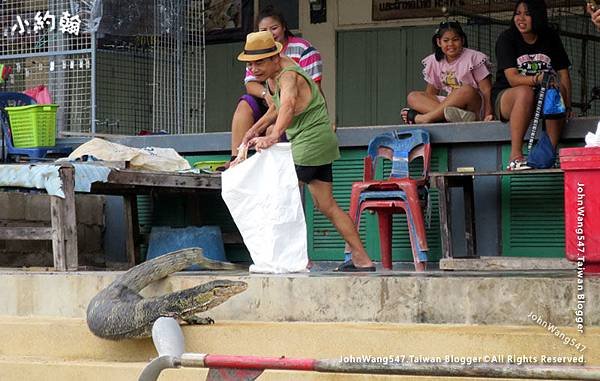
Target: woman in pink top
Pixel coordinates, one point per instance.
(458, 82)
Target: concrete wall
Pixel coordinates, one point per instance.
(26, 209)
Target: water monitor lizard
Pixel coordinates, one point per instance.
(120, 312)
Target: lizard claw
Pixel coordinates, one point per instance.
(196, 320)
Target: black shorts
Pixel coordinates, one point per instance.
(306, 174)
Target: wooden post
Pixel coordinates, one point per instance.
(64, 223)
(469, 198)
(441, 183)
(133, 230)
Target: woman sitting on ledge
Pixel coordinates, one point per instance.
(460, 73)
(525, 51)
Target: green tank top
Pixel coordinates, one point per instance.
(313, 140)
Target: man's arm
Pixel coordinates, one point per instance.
(288, 95)
(262, 124)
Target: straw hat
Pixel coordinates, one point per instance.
(259, 45)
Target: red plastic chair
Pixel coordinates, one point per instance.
(401, 147)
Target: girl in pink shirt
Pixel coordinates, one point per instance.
(458, 82)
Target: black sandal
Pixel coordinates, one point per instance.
(348, 267)
(408, 115)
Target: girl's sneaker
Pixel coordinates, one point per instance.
(518, 164)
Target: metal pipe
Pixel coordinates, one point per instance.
(408, 369)
(152, 371)
(168, 338)
(458, 370)
(93, 87)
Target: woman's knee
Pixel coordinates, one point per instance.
(413, 98)
(524, 94)
(243, 109)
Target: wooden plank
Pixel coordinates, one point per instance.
(64, 223)
(165, 179)
(133, 230)
(26, 233)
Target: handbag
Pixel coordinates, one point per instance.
(543, 154)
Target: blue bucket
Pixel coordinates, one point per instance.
(164, 240)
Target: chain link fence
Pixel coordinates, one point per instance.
(113, 67)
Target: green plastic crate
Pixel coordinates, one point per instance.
(211, 165)
(33, 125)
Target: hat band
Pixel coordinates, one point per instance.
(260, 51)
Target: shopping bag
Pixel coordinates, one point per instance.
(40, 93)
(263, 197)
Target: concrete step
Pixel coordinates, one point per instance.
(502, 298)
(68, 339)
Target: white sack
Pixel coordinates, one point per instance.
(150, 158)
(263, 197)
(593, 140)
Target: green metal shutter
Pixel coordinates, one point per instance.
(224, 85)
(532, 214)
(376, 69)
(326, 244)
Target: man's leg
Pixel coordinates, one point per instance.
(322, 195)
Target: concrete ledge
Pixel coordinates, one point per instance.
(441, 133)
(506, 263)
(502, 298)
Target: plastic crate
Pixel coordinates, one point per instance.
(33, 125)
(210, 165)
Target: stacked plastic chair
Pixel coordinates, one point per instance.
(399, 193)
(9, 150)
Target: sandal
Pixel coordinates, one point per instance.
(518, 164)
(348, 267)
(408, 115)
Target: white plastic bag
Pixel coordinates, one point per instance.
(263, 198)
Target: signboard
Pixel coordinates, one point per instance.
(403, 9)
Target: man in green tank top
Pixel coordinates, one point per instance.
(298, 110)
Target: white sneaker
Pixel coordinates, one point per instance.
(456, 115)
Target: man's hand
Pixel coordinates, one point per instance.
(241, 156)
(263, 142)
(595, 15)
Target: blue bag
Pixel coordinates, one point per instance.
(542, 155)
(554, 107)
